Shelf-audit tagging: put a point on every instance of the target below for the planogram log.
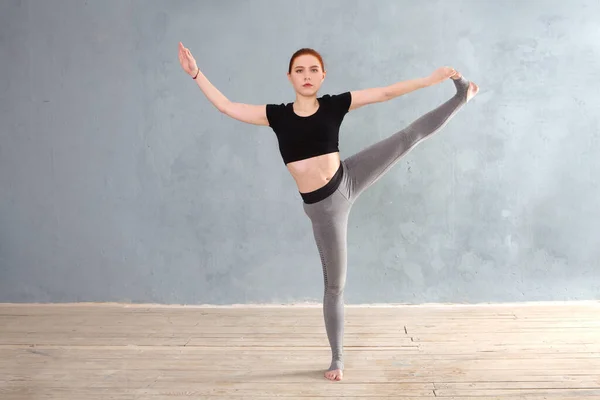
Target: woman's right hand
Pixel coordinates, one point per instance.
(188, 63)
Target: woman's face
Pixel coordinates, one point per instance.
(307, 75)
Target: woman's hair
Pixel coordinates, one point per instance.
(303, 51)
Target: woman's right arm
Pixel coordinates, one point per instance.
(249, 113)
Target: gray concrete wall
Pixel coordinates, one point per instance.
(120, 182)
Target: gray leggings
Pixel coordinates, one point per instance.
(329, 216)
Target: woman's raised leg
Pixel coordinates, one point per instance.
(369, 165)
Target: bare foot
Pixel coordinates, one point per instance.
(334, 375)
(473, 88)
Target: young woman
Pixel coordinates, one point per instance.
(307, 132)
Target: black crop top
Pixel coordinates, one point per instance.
(304, 137)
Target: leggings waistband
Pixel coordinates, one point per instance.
(325, 191)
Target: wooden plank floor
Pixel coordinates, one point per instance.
(480, 352)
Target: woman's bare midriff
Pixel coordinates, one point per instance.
(315, 172)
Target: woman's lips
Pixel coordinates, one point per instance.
(307, 85)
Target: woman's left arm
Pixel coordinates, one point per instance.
(380, 94)
(377, 95)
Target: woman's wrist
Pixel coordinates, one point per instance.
(196, 75)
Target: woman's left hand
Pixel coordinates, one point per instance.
(441, 74)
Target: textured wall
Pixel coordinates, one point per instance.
(119, 181)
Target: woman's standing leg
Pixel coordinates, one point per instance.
(329, 219)
(369, 165)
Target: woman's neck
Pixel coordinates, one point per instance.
(306, 105)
